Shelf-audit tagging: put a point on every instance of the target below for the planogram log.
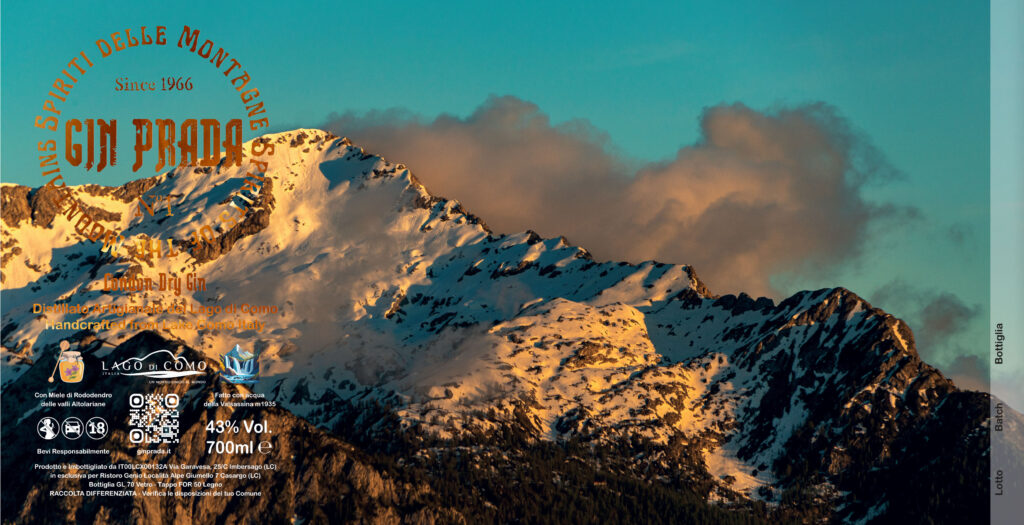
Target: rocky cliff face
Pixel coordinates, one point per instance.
(397, 321)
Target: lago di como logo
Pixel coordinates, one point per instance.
(240, 366)
(160, 364)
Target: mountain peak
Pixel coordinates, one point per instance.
(364, 293)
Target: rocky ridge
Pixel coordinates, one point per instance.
(416, 320)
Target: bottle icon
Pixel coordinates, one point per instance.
(71, 367)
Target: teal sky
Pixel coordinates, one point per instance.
(911, 77)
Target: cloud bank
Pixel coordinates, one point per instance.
(759, 194)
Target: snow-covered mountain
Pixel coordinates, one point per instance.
(383, 295)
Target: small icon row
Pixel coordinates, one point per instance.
(240, 366)
(72, 428)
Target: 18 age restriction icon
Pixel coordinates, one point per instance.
(96, 428)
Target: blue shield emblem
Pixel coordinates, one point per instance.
(240, 366)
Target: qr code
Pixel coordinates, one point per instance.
(153, 418)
